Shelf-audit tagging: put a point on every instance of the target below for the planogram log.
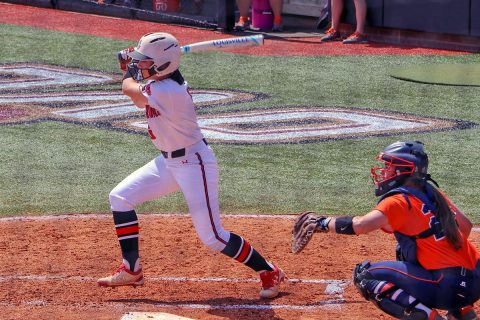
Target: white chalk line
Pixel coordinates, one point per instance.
(334, 289)
(35, 277)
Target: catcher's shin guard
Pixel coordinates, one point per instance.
(360, 278)
(400, 312)
(390, 298)
(465, 313)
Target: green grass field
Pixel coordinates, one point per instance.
(56, 167)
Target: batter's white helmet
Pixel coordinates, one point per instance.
(161, 48)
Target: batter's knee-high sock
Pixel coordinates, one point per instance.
(240, 250)
(126, 225)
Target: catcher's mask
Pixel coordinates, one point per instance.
(400, 160)
(160, 48)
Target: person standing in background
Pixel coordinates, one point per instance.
(244, 20)
(360, 16)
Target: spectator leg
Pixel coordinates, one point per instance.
(360, 15)
(337, 8)
(276, 6)
(243, 6)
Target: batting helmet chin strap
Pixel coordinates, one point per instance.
(380, 294)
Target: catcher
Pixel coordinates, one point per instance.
(437, 266)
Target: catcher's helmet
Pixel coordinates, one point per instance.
(401, 160)
(161, 48)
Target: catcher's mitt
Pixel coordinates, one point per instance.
(306, 224)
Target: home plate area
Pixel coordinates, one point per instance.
(50, 265)
(152, 316)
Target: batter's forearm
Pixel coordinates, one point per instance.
(133, 89)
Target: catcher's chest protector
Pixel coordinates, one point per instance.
(408, 244)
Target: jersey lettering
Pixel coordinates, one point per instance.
(151, 112)
(425, 209)
(439, 235)
(150, 133)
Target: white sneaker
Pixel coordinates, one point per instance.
(123, 277)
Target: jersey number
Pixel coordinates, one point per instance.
(439, 235)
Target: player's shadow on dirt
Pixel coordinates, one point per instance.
(228, 307)
(235, 308)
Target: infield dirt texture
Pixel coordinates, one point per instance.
(60, 159)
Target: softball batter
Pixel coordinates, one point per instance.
(186, 163)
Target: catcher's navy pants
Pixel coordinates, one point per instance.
(445, 289)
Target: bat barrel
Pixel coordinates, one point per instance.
(240, 41)
(256, 40)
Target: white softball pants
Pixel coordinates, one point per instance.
(196, 174)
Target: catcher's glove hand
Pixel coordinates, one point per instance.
(306, 224)
(123, 58)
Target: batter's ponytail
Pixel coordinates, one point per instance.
(447, 219)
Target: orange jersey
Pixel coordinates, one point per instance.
(433, 252)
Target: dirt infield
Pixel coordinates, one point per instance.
(50, 266)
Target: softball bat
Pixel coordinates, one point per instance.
(220, 44)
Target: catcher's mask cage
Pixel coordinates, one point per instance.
(160, 48)
(400, 160)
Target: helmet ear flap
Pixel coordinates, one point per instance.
(162, 67)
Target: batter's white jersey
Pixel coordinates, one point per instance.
(187, 163)
(171, 115)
